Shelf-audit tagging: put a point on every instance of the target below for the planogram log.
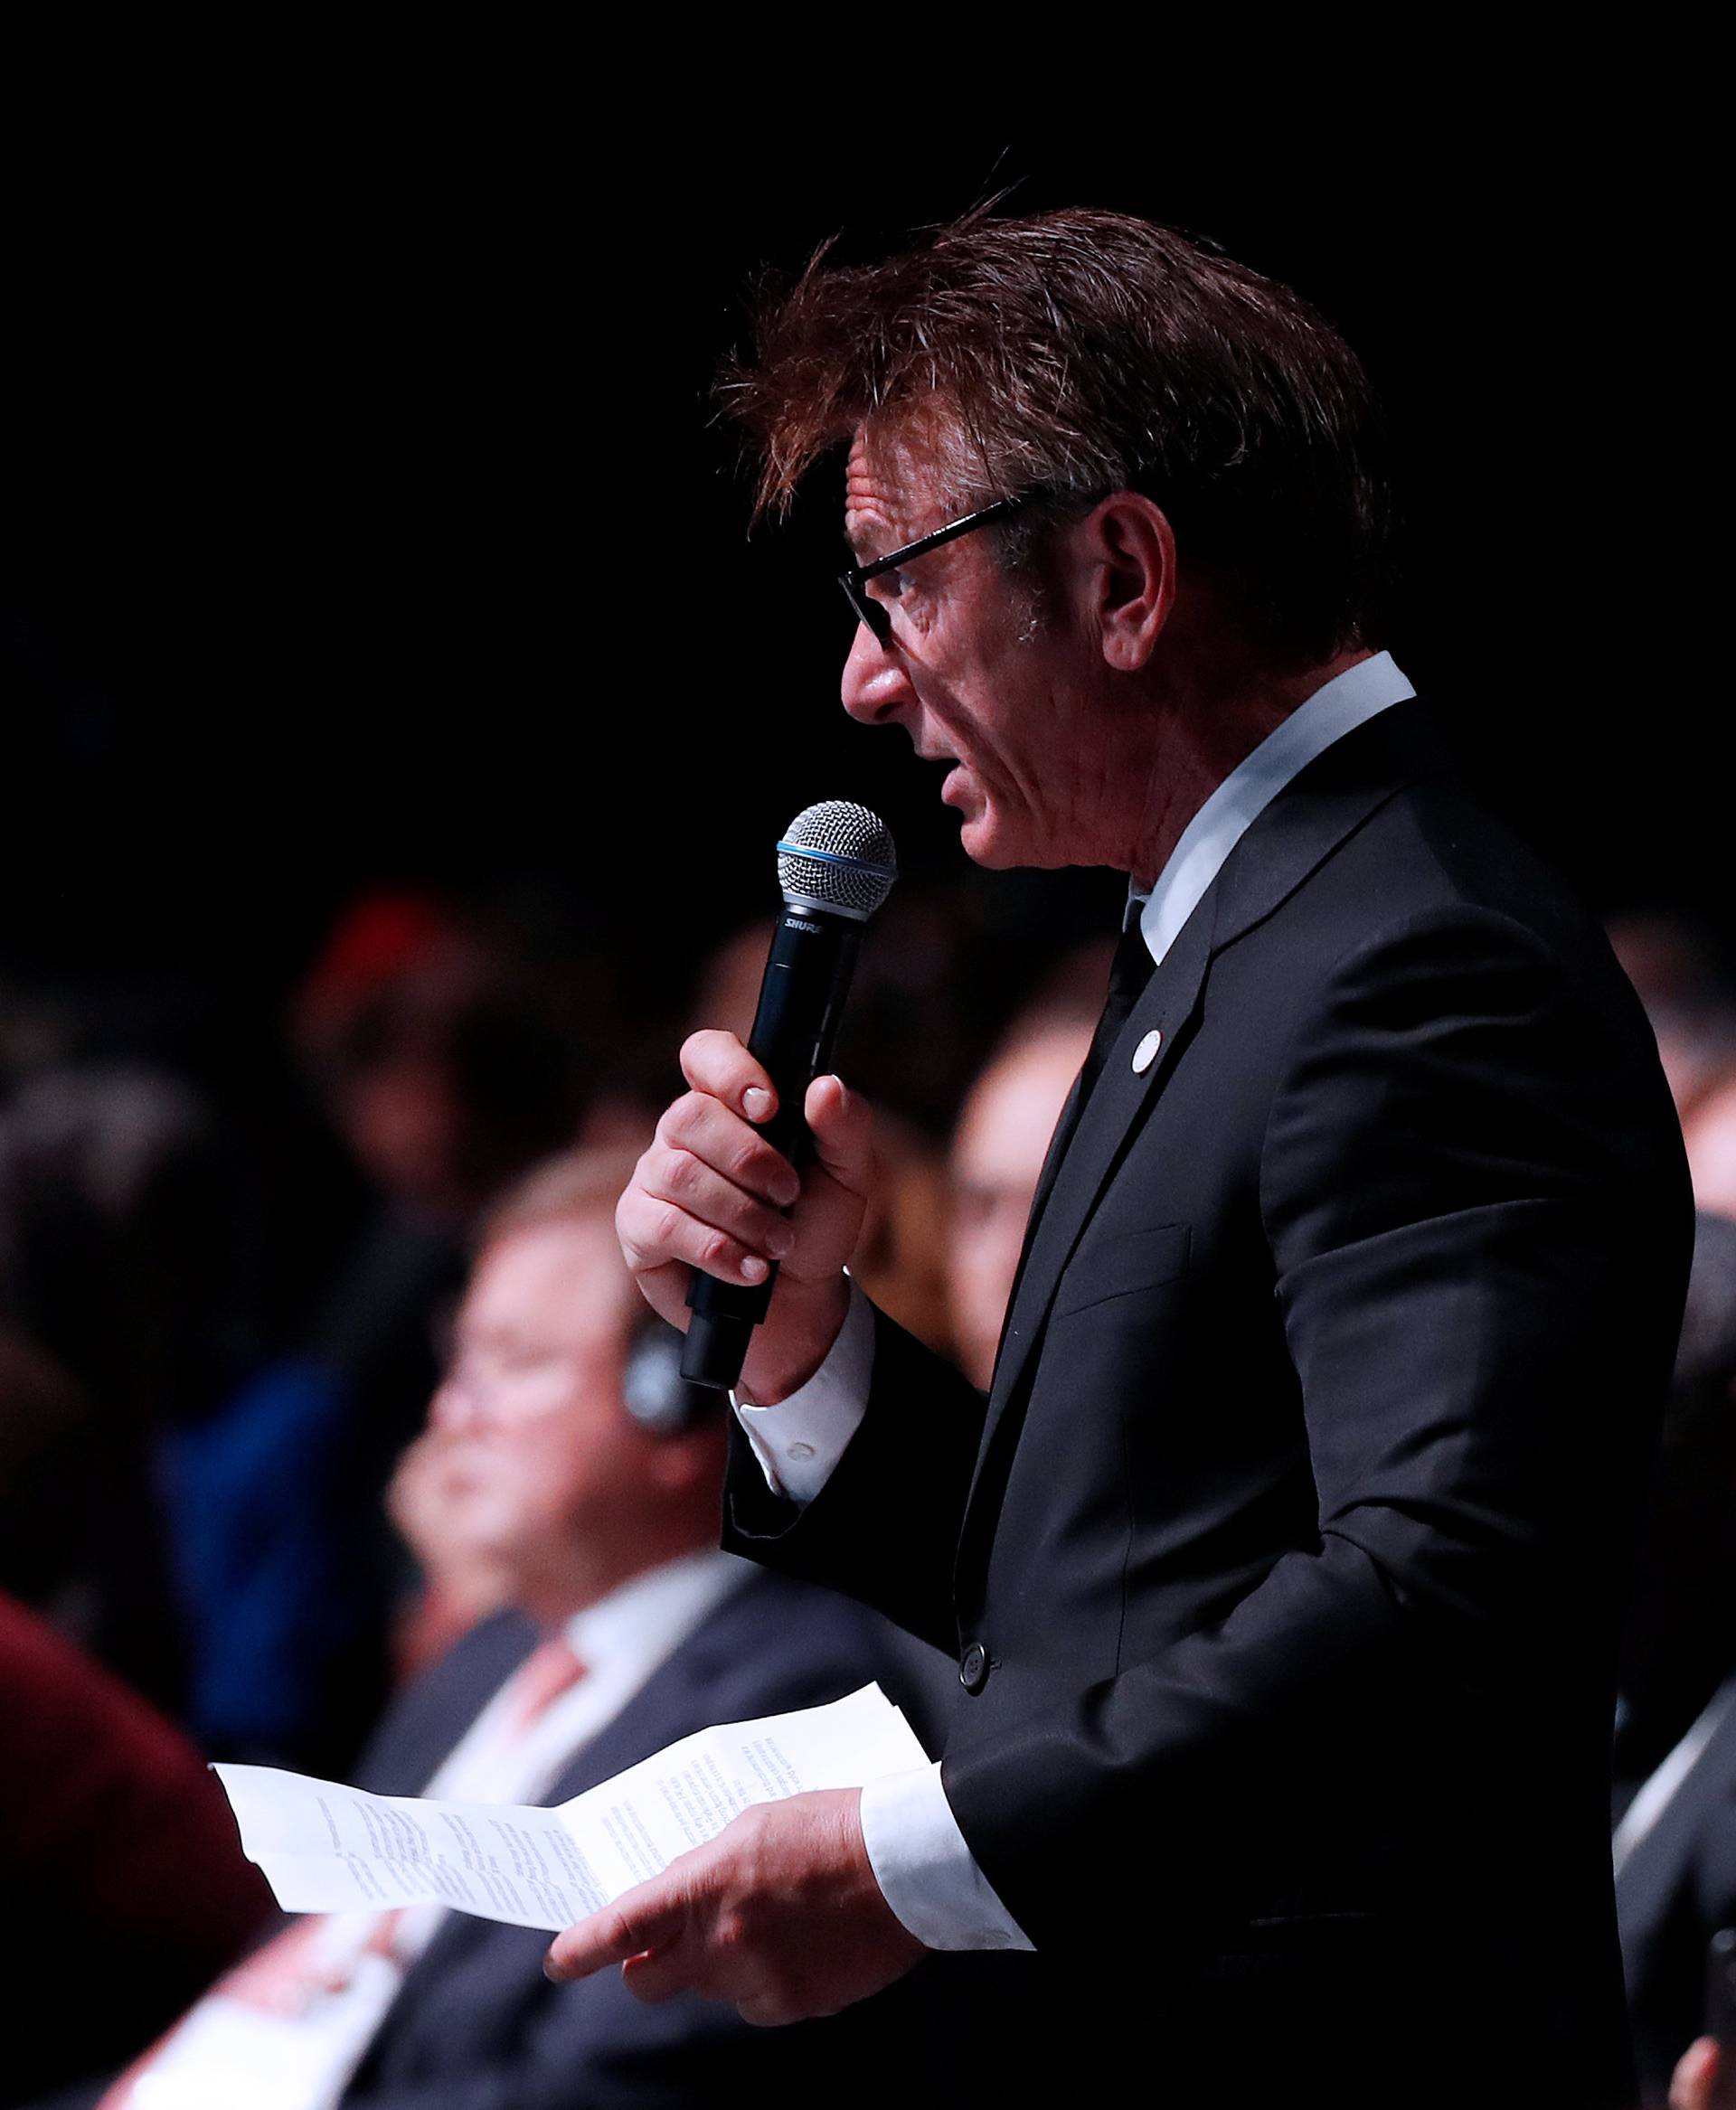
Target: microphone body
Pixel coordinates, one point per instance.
(836, 866)
(794, 1027)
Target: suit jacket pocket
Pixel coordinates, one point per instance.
(1120, 1267)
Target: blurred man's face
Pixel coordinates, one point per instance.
(1710, 1133)
(970, 676)
(544, 1473)
(400, 1118)
(997, 1153)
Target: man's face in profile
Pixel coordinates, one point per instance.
(539, 1455)
(973, 679)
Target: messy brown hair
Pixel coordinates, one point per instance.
(1067, 355)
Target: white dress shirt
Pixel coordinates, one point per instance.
(926, 1872)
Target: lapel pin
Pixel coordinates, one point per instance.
(1145, 1053)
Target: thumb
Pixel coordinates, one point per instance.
(842, 1123)
(836, 1184)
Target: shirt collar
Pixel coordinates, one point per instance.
(1349, 700)
(650, 1614)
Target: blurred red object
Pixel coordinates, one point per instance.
(115, 1841)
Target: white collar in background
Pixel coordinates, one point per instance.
(622, 1640)
(1349, 700)
(646, 1617)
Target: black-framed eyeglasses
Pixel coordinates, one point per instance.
(876, 614)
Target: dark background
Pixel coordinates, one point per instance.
(363, 518)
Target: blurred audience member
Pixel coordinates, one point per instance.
(728, 992)
(901, 1258)
(119, 1220)
(50, 1447)
(998, 1152)
(1676, 1743)
(1688, 997)
(1680, 1638)
(1709, 1131)
(114, 1843)
(449, 1053)
(580, 1478)
(451, 1059)
(929, 996)
(458, 1584)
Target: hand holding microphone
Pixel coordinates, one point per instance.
(764, 1131)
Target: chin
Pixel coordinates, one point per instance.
(988, 842)
(981, 835)
(978, 845)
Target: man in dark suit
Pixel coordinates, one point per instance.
(1282, 1562)
(570, 1463)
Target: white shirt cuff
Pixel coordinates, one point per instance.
(926, 1873)
(798, 1441)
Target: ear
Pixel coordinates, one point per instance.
(1130, 547)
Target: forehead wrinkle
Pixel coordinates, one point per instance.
(868, 526)
(881, 511)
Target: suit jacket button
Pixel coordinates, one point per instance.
(973, 1669)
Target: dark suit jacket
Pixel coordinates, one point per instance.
(1292, 1532)
(477, 2026)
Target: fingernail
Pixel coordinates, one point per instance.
(753, 1268)
(548, 1966)
(779, 1239)
(756, 1103)
(788, 1191)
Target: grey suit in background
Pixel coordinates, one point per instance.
(477, 2026)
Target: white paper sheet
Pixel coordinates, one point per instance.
(325, 1848)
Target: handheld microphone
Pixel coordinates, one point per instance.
(835, 866)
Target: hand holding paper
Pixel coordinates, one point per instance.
(326, 1848)
(781, 1916)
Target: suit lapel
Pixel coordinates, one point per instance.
(1086, 1153)
(1064, 1126)
(417, 1733)
(1320, 809)
(1057, 1149)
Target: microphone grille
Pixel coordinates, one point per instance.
(840, 855)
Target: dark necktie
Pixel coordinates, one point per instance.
(1128, 974)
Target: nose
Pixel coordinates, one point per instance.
(876, 684)
(455, 1409)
